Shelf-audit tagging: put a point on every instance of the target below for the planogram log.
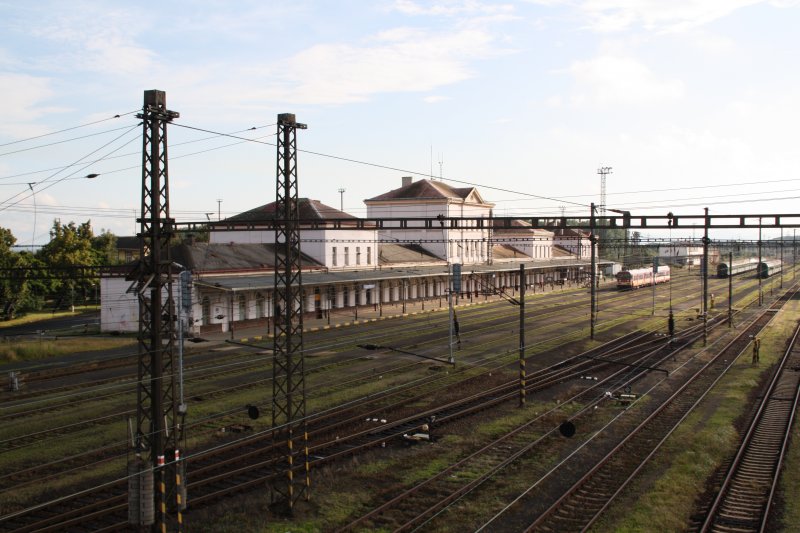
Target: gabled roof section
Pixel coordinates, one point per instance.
(391, 253)
(430, 190)
(208, 258)
(309, 210)
(506, 251)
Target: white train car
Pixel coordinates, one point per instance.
(642, 277)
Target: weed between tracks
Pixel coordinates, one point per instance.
(28, 350)
(663, 497)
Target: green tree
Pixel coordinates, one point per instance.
(17, 292)
(105, 248)
(70, 247)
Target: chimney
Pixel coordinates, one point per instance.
(407, 180)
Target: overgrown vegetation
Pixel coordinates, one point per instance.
(26, 350)
(677, 477)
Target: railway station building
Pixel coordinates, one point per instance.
(350, 268)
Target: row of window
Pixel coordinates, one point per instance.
(335, 258)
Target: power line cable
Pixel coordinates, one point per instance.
(396, 169)
(64, 141)
(69, 129)
(6, 203)
(172, 145)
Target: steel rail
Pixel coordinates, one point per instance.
(753, 474)
(674, 400)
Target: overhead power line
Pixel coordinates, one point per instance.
(68, 129)
(388, 167)
(172, 145)
(63, 141)
(7, 203)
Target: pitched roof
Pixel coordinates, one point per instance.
(309, 210)
(205, 257)
(391, 253)
(426, 190)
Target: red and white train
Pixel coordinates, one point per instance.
(642, 277)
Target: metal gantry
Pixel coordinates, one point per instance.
(288, 373)
(157, 434)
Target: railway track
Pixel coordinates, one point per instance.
(83, 424)
(412, 507)
(218, 473)
(332, 451)
(748, 489)
(580, 505)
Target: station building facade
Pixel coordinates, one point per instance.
(344, 269)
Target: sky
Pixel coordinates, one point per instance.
(692, 103)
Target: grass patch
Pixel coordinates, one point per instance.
(27, 350)
(670, 485)
(30, 318)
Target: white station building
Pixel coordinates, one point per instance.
(232, 276)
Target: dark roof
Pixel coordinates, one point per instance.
(129, 243)
(506, 251)
(205, 257)
(424, 189)
(391, 253)
(309, 210)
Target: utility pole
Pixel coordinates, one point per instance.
(781, 258)
(521, 335)
(706, 241)
(156, 489)
(450, 309)
(593, 272)
(219, 208)
(341, 199)
(604, 172)
(760, 266)
(730, 289)
(288, 373)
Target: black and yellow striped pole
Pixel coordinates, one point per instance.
(308, 466)
(521, 335)
(179, 493)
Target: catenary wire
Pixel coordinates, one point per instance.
(69, 129)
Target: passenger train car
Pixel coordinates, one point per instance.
(642, 277)
(739, 267)
(768, 268)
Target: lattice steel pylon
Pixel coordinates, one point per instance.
(288, 372)
(158, 430)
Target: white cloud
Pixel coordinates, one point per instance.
(398, 60)
(22, 96)
(620, 80)
(452, 8)
(435, 98)
(660, 15)
(104, 42)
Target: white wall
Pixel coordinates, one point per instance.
(119, 311)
